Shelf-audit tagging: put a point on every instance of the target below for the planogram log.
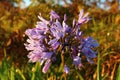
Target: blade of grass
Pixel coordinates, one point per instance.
(34, 71)
(21, 74)
(118, 73)
(5, 53)
(98, 68)
(12, 77)
(80, 76)
(4, 68)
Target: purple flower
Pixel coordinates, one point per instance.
(79, 35)
(42, 27)
(43, 20)
(90, 42)
(66, 69)
(34, 57)
(83, 18)
(34, 45)
(35, 33)
(89, 52)
(54, 43)
(46, 55)
(57, 30)
(46, 66)
(66, 28)
(87, 46)
(77, 61)
(57, 33)
(54, 15)
(49, 37)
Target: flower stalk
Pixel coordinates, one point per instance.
(62, 60)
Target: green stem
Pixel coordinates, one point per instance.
(65, 76)
(62, 59)
(62, 64)
(98, 68)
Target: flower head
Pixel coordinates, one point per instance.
(51, 37)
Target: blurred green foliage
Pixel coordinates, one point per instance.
(104, 26)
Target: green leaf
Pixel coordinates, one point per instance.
(118, 73)
(80, 76)
(98, 68)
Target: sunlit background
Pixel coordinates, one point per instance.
(18, 15)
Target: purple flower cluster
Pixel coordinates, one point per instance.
(50, 37)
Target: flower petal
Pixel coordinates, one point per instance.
(46, 66)
(66, 69)
(54, 15)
